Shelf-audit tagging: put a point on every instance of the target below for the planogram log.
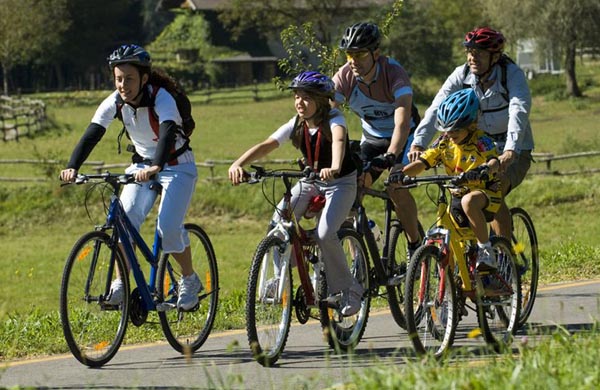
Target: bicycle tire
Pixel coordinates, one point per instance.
(187, 331)
(498, 312)
(93, 331)
(344, 333)
(525, 244)
(398, 261)
(269, 310)
(430, 323)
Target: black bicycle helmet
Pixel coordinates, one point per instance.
(362, 35)
(313, 82)
(130, 54)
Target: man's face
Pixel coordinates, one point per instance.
(479, 60)
(361, 61)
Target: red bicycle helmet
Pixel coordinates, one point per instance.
(486, 39)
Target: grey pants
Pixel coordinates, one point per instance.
(339, 194)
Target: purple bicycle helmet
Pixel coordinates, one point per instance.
(458, 110)
(130, 54)
(313, 82)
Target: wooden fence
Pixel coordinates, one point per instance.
(21, 116)
(210, 165)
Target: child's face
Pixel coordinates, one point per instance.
(306, 107)
(459, 135)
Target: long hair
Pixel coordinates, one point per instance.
(321, 119)
(160, 78)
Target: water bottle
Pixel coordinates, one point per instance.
(376, 233)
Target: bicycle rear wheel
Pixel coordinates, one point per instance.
(93, 330)
(344, 333)
(430, 305)
(187, 331)
(499, 307)
(525, 244)
(269, 300)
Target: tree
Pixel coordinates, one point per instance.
(564, 26)
(183, 49)
(270, 17)
(29, 28)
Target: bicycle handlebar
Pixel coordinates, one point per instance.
(308, 175)
(451, 181)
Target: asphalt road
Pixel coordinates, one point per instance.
(224, 361)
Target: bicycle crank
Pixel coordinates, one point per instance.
(302, 310)
(137, 310)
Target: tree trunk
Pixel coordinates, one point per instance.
(572, 87)
(5, 79)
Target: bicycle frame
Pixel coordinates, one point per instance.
(289, 230)
(453, 240)
(380, 260)
(124, 230)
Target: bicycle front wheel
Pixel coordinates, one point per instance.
(187, 331)
(344, 332)
(269, 300)
(525, 245)
(499, 307)
(397, 256)
(430, 305)
(93, 330)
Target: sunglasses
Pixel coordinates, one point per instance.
(357, 55)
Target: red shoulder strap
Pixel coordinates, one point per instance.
(151, 113)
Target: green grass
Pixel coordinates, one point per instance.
(41, 221)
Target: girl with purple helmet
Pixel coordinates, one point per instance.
(320, 133)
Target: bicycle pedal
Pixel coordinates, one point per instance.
(165, 306)
(395, 280)
(192, 309)
(332, 302)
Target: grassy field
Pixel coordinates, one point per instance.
(41, 221)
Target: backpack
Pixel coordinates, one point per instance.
(184, 106)
(503, 62)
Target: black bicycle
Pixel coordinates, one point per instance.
(389, 255)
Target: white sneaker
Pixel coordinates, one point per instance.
(352, 299)
(189, 288)
(115, 296)
(486, 259)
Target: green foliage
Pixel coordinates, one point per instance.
(28, 29)
(303, 47)
(184, 50)
(562, 361)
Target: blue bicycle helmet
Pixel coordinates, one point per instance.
(313, 82)
(458, 110)
(130, 54)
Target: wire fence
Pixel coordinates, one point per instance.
(211, 166)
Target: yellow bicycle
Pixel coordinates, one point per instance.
(441, 276)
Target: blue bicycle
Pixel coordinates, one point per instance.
(95, 329)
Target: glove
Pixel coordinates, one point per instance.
(384, 161)
(396, 177)
(481, 173)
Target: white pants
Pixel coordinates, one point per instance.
(178, 185)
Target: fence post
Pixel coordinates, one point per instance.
(256, 98)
